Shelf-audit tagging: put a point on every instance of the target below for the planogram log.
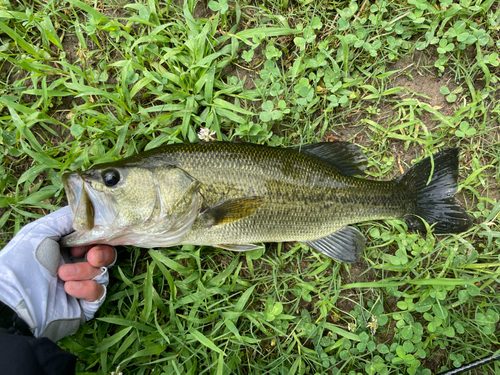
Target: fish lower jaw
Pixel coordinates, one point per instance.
(105, 236)
(77, 238)
(97, 236)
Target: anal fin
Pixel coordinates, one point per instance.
(345, 245)
(240, 247)
(230, 210)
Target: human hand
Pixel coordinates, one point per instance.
(79, 276)
(29, 282)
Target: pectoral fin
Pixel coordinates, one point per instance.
(345, 245)
(230, 210)
(240, 247)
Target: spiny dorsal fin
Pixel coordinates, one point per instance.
(230, 210)
(345, 245)
(345, 156)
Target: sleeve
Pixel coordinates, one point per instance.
(32, 356)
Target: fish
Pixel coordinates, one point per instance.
(236, 196)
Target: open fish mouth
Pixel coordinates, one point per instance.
(79, 202)
(90, 207)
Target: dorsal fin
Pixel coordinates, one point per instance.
(345, 156)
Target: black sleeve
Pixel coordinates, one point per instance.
(25, 355)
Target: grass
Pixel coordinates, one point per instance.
(83, 83)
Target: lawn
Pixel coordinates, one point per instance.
(86, 82)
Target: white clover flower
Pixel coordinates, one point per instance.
(373, 325)
(206, 135)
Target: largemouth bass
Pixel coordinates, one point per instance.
(232, 195)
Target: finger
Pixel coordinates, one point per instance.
(80, 251)
(78, 271)
(101, 255)
(88, 290)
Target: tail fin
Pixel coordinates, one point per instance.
(436, 202)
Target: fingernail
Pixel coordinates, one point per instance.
(75, 285)
(70, 270)
(100, 256)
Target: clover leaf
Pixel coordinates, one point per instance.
(465, 130)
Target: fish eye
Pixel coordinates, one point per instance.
(110, 177)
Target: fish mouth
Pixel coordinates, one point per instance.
(90, 207)
(79, 202)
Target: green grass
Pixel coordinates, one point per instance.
(82, 83)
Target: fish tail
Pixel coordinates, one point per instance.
(435, 201)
